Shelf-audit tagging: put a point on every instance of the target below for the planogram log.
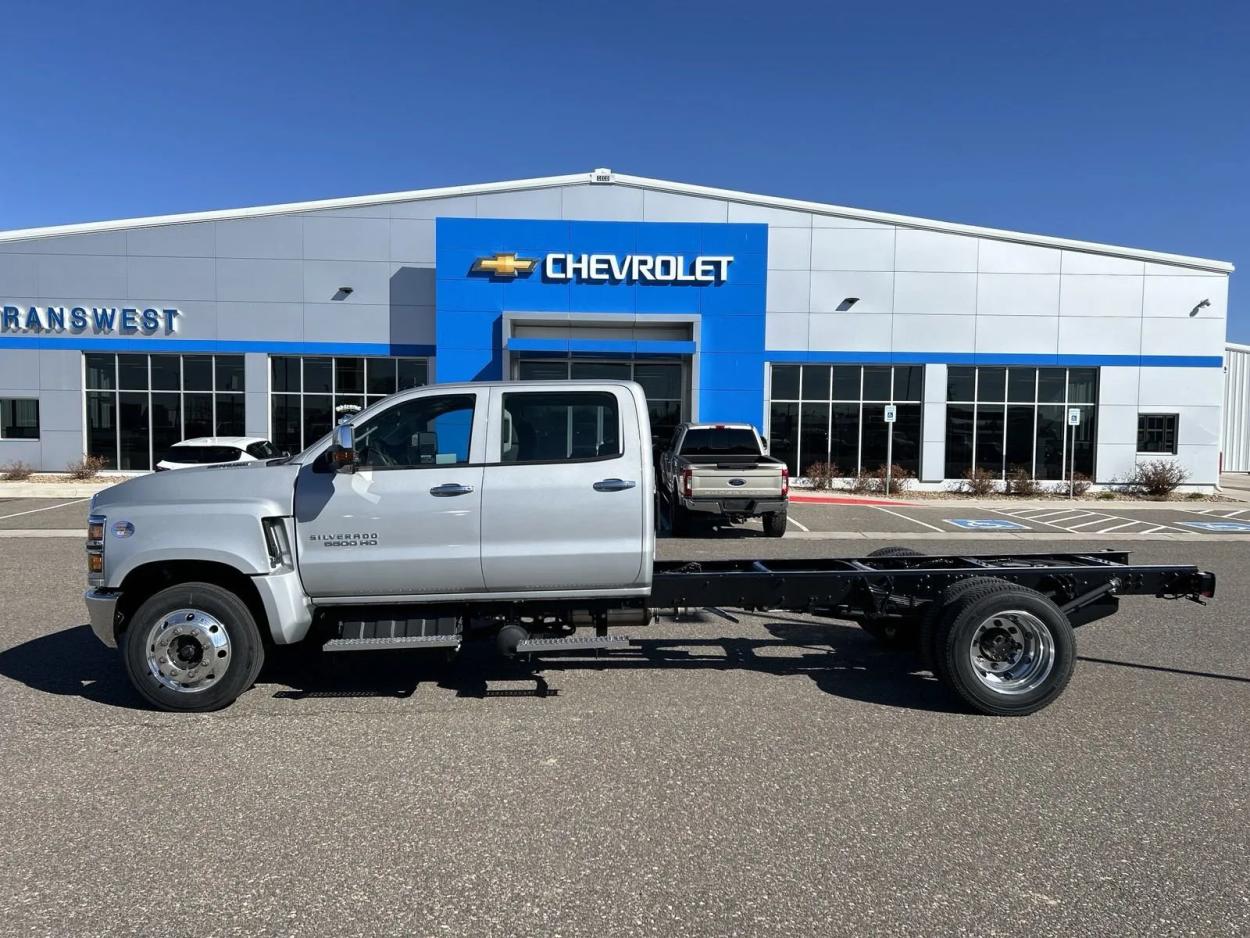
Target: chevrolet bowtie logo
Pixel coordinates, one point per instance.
(504, 265)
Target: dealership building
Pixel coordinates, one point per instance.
(985, 348)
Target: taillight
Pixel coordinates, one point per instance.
(785, 481)
(95, 549)
(687, 483)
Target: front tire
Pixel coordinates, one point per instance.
(194, 647)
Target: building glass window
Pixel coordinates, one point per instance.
(1006, 419)
(308, 394)
(1156, 433)
(663, 382)
(140, 405)
(836, 414)
(19, 418)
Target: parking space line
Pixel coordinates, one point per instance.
(1152, 530)
(1234, 514)
(790, 519)
(1127, 524)
(931, 527)
(18, 514)
(1101, 519)
(1071, 517)
(1026, 518)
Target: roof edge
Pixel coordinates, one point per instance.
(639, 182)
(928, 224)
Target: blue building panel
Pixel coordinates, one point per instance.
(470, 305)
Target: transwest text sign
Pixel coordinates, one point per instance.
(98, 320)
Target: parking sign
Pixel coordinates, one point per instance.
(1074, 416)
(891, 413)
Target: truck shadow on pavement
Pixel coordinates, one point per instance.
(71, 663)
(840, 659)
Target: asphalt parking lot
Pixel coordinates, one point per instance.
(771, 775)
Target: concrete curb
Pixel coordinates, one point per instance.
(52, 489)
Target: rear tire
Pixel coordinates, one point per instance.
(193, 647)
(895, 552)
(892, 632)
(775, 524)
(1005, 652)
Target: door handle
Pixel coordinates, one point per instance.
(614, 485)
(447, 489)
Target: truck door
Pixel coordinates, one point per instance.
(408, 520)
(566, 497)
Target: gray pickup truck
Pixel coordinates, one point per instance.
(722, 470)
(523, 514)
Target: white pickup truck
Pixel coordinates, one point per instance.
(523, 514)
(722, 470)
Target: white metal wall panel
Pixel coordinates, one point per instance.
(1236, 429)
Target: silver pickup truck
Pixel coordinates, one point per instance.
(523, 514)
(722, 470)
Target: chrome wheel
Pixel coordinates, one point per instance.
(1012, 652)
(188, 650)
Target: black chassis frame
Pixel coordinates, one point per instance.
(1086, 586)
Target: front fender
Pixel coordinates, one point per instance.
(227, 534)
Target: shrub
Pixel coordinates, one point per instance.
(1077, 487)
(872, 481)
(979, 482)
(16, 472)
(1157, 478)
(86, 468)
(1105, 496)
(1021, 482)
(861, 484)
(821, 474)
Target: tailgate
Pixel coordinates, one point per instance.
(750, 481)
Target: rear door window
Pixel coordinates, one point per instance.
(560, 426)
(720, 441)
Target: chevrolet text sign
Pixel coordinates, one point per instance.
(637, 268)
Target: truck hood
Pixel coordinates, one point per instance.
(269, 486)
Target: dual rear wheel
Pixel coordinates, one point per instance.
(1004, 649)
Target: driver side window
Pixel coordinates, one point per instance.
(418, 433)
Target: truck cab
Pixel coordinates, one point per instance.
(447, 497)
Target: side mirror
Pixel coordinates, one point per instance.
(343, 453)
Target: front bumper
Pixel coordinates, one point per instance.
(734, 506)
(102, 611)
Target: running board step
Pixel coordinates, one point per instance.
(572, 643)
(403, 641)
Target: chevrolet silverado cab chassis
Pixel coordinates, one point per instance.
(524, 514)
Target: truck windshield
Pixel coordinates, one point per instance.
(720, 441)
(201, 455)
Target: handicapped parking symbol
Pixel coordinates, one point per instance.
(986, 524)
(1222, 527)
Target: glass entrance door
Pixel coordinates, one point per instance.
(666, 383)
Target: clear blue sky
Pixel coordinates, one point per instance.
(1127, 123)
